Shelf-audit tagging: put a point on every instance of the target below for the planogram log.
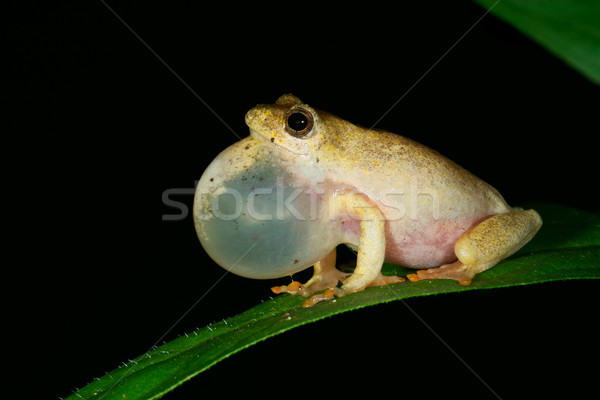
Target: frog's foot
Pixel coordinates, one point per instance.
(326, 276)
(386, 280)
(456, 270)
(314, 299)
(310, 287)
(293, 288)
(339, 291)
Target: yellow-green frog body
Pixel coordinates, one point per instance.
(305, 181)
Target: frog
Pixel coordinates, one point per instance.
(305, 181)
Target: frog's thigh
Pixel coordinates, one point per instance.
(486, 245)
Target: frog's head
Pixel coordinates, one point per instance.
(288, 123)
(260, 206)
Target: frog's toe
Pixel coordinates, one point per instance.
(317, 298)
(386, 280)
(293, 288)
(456, 271)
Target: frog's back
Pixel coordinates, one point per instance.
(425, 172)
(379, 163)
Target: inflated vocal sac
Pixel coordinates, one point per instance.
(257, 214)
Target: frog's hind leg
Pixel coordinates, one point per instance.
(486, 245)
(325, 276)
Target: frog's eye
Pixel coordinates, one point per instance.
(299, 122)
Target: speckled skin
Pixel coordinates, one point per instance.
(382, 187)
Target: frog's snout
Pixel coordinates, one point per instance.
(265, 121)
(254, 120)
(251, 117)
(259, 120)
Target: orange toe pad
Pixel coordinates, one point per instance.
(293, 288)
(455, 270)
(312, 300)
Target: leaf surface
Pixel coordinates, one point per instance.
(570, 29)
(567, 247)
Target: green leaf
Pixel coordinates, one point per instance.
(567, 247)
(570, 29)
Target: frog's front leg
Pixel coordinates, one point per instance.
(371, 250)
(486, 245)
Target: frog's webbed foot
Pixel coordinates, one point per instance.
(338, 291)
(456, 270)
(386, 280)
(339, 284)
(326, 276)
(293, 288)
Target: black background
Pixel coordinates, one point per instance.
(100, 128)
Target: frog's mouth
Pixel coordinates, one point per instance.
(257, 135)
(271, 141)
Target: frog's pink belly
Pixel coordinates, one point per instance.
(416, 246)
